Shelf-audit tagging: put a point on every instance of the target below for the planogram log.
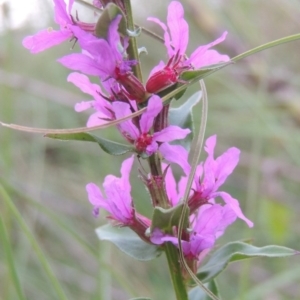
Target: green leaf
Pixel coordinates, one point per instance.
(238, 251)
(165, 219)
(198, 294)
(128, 242)
(108, 146)
(109, 13)
(182, 116)
(203, 72)
(7, 249)
(53, 279)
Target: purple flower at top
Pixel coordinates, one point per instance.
(207, 225)
(68, 29)
(176, 36)
(101, 57)
(118, 202)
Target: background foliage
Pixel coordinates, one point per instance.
(253, 105)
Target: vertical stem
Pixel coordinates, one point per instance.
(132, 48)
(175, 272)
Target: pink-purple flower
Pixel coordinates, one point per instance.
(208, 224)
(208, 220)
(100, 57)
(103, 108)
(118, 201)
(176, 36)
(146, 142)
(69, 28)
(209, 177)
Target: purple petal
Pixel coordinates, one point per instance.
(83, 82)
(121, 110)
(234, 205)
(125, 172)
(60, 12)
(178, 27)
(97, 118)
(81, 62)
(45, 39)
(225, 164)
(199, 58)
(171, 133)
(153, 109)
(84, 105)
(176, 154)
(113, 38)
(156, 236)
(96, 198)
(167, 39)
(171, 187)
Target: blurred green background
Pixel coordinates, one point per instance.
(253, 105)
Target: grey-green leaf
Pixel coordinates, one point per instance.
(182, 116)
(165, 219)
(109, 13)
(198, 294)
(238, 251)
(128, 242)
(106, 145)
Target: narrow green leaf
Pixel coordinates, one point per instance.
(203, 72)
(238, 251)
(182, 116)
(109, 13)
(5, 245)
(199, 294)
(40, 255)
(165, 219)
(128, 242)
(106, 145)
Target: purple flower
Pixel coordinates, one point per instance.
(102, 106)
(176, 36)
(208, 179)
(144, 141)
(208, 225)
(68, 29)
(214, 173)
(100, 57)
(118, 202)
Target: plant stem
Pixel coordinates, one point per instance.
(132, 47)
(175, 271)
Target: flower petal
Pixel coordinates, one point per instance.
(178, 27)
(176, 154)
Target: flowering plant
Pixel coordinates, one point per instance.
(190, 212)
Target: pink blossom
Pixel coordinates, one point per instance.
(145, 141)
(208, 179)
(208, 225)
(176, 37)
(100, 57)
(68, 29)
(102, 107)
(118, 201)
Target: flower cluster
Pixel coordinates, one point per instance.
(122, 93)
